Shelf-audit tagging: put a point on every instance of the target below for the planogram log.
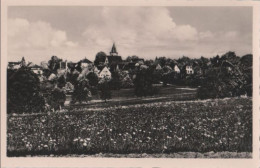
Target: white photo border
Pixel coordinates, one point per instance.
(35, 162)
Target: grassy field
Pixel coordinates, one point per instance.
(167, 127)
(124, 97)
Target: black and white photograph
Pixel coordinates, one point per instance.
(129, 82)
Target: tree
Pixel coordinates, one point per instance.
(183, 61)
(100, 56)
(72, 77)
(245, 65)
(53, 63)
(56, 98)
(162, 61)
(104, 88)
(116, 80)
(143, 82)
(23, 91)
(127, 82)
(61, 82)
(81, 92)
(223, 78)
(93, 82)
(130, 58)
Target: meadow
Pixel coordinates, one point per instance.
(167, 127)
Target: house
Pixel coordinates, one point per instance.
(189, 69)
(63, 65)
(105, 73)
(37, 69)
(158, 67)
(176, 69)
(44, 65)
(16, 65)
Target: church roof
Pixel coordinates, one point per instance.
(116, 59)
(113, 49)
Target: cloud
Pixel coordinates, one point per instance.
(139, 26)
(35, 35)
(143, 31)
(151, 31)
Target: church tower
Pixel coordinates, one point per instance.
(113, 51)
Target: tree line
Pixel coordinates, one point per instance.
(221, 76)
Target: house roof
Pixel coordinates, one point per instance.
(14, 63)
(35, 66)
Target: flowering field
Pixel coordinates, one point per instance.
(167, 127)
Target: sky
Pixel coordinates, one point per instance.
(74, 33)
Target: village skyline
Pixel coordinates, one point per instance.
(124, 58)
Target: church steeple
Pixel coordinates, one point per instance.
(113, 51)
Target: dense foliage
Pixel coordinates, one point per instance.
(23, 91)
(104, 87)
(228, 76)
(143, 82)
(81, 92)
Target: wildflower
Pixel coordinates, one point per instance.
(88, 139)
(84, 144)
